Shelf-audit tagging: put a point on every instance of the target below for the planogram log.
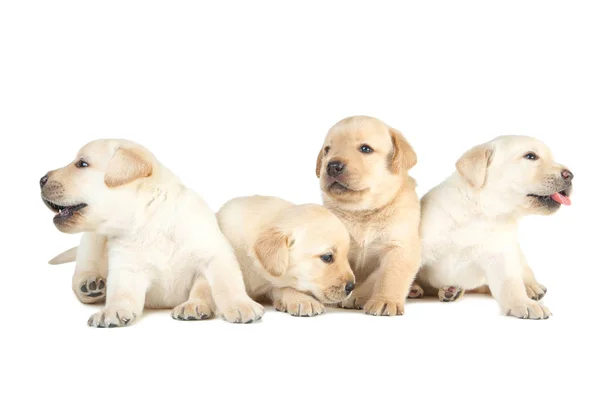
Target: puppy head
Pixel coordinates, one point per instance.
(307, 248)
(516, 174)
(363, 162)
(94, 186)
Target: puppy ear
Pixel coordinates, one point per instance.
(272, 250)
(319, 162)
(403, 157)
(473, 165)
(125, 166)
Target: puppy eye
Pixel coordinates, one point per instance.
(327, 258)
(531, 156)
(365, 149)
(326, 150)
(81, 164)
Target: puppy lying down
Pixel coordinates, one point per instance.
(294, 255)
(469, 223)
(149, 240)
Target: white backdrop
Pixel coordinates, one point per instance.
(236, 99)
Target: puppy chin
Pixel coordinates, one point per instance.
(333, 295)
(539, 207)
(341, 191)
(74, 224)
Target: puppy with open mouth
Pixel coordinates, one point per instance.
(469, 223)
(148, 240)
(295, 256)
(363, 169)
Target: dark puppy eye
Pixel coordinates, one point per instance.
(365, 149)
(531, 156)
(326, 150)
(327, 258)
(81, 164)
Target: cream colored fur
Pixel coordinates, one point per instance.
(148, 240)
(280, 247)
(376, 199)
(469, 223)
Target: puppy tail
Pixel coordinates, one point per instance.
(65, 257)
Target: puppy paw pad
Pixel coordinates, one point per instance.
(450, 293)
(416, 292)
(92, 287)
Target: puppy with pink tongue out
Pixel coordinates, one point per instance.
(469, 224)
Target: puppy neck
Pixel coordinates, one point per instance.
(480, 202)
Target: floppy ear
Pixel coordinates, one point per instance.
(473, 165)
(319, 162)
(125, 166)
(404, 157)
(272, 250)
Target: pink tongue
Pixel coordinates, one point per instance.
(559, 198)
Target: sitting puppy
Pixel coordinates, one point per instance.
(469, 223)
(297, 256)
(363, 169)
(148, 239)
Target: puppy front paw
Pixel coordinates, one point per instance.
(243, 311)
(450, 293)
(112, 317)
(384, 307)
(305, 306)
(535, 291)
(192, 310)
(90, 289)
(529, 310)
(353, 303)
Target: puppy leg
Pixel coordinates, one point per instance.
(199, 305)
(228, 291)
(504, 274)
(126, 293)
(296, 303)
(399, 267)
(89, 279)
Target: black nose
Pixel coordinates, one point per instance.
(567, 175)
(334, 168)
(349, 287)
(43, 180)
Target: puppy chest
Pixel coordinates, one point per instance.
(364, 257)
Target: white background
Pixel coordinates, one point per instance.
(236, 99)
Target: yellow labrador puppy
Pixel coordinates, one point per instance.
(363, 169)
(469, 223)
(148, 239)
(295, 255)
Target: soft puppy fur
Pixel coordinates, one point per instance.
(148, 241)
(294, 255)
(363, 169)
(469, 223)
